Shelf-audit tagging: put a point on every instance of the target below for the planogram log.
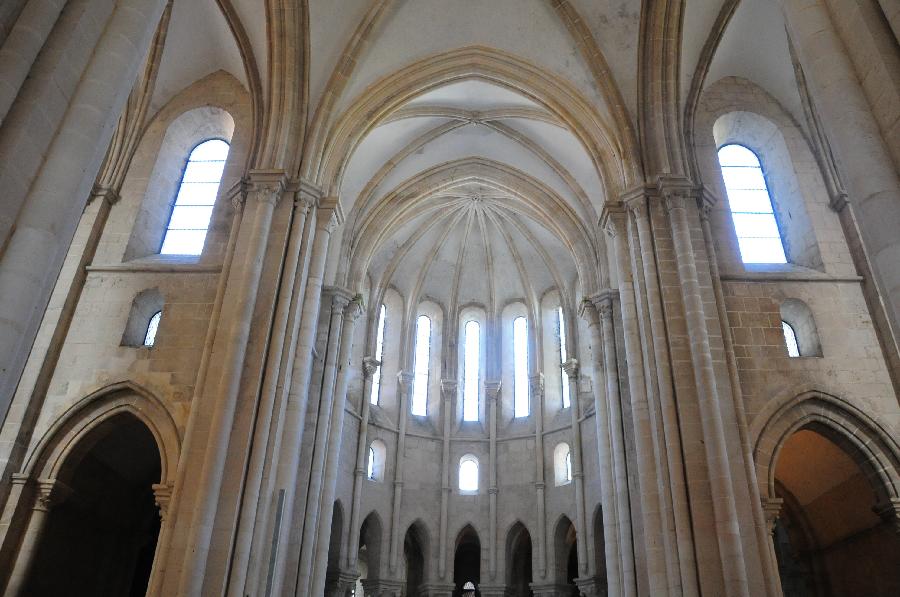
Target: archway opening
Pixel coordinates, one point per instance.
(101, 538)
(334, 545)
(599, 542)
(518, 562)
(566, 550)
(414, 545)
(368, 562)
(829, 540)
(467, 561)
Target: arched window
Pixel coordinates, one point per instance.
(376, 460)
(520, 357)
(423, 358)
(379, 349)
(562, 463)
(751, 206)
(193, 206)
(472, 363)
(152, 328)
(468, 473)
(563, 356)
(790, 339)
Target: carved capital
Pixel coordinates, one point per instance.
(406, 380)
(838, 201)
(354, 308)
(587, 311)
(673, 200)
(50, 492)
(536, 385)
(340, 298)
(449, 388)
(237, 194)
(330, 214)
(307, 196)
(612, 219)
(889, 512)
(592, 586)
(107, 194)
(267, 185)
(370, 365)
(571, 368)
(772, 510)
(492, 390)
(162, 495)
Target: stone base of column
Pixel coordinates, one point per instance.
(553, 590)
(592, 586)
(383, 588)
(492, 590)
(437, 589)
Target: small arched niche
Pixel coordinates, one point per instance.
(145, 306)
(799, 317)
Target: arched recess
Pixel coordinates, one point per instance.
(370, 540)
(466, 559)
(416, 557)
(565, 551)
(609, 146)
(518, 561)
(800, 317)
(95, 473)
(335, 544)
(599, 542)
(829, 473)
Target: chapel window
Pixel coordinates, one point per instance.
(471, 373)
(152, 328)
(420, 368)
(520, 358)
(468, 473)
(562, 464)
(790, 339)
(196, 196)
(563, 356)
(759, 238)
(376, 460)
(379, 349)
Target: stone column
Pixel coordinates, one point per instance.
(437, 589)
(551, 590)
(608, 480)
(279, 520)
(492, 393)
(39, 239)
(772, 511)
(405, 380)
(335, 436)
(614, 221)
(50, 492)
(370, 365)
(728, 530)
(677, 531)
(536, 387)
(340, 300)
(448, 393)
(593, 587)
(862, 155)
(570, 369)
(264, 189)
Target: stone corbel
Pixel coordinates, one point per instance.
(492, 391)
(370, 366)
(162, 495)
(331, 213)
(237, 194)
(571, 368)
(612, 219)
(772, 510)
(50, 492)
(889, 512)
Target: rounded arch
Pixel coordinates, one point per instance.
(62, 439)
(868, 442)
(611, 148)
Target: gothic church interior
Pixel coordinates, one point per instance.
(380, 298)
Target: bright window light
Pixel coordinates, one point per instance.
(790, 339)
(520, 366)
(379, 349)
(751, 206)
(472, 363)
(468, 473)
(370, 470)
(152, 328)
(193, 207)
(569, 465)
(563, 356)
(423, 356)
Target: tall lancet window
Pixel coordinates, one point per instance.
(471, 373)
(379, 349)
(423, 358)
(563, 356)
(751, 206)
(196, 196)
(520, 363)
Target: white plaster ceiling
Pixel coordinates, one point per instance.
(199, 43)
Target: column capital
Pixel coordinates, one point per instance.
(449, 388)
(370, 365)
(592, 586)
(107, 194)
(266, 185)
(331, 213)
(612, 218)
(772, 510)
(838, 201)
(536, 384)
(406, 378)
(492, 390)
(50, 493)
(307, 195)
(341, 298)
(889, 511)
(162, 495)
(571, 368)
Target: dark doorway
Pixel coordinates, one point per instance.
(102, 539)
(518, 562)
(467, 561)
(415, 555)
(566, 551)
